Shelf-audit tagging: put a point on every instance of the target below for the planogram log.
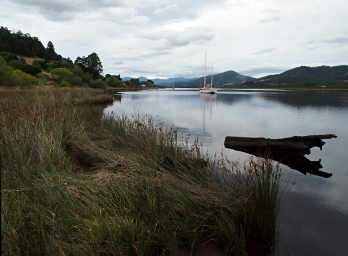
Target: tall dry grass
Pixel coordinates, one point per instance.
(76, 182)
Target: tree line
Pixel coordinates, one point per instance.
(26, 45)
(46, 67)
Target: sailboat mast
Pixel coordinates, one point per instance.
(205, 69)
(211, 77)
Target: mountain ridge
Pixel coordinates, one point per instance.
(225, 78)
(305, 76)
(302, 76)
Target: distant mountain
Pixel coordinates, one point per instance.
(158, 81)
(224, 79)
(171, 81)
(306, 76)
(141, 79)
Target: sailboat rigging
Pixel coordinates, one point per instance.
(207, 87)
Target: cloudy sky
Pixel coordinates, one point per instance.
(166, 38)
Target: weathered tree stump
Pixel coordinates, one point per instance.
(289, 151)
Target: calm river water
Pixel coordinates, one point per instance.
(313, 218)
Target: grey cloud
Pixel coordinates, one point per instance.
(264, 51)
(168, 10)
(58, 6)
(181, 38)
(129, 62)
(150, 10)
(142, 71)
(155, 54)
(145, 68)
(272, 15)
(139, 34)
(271, 11)
(312, 45)
(315, 44)
(269, 20)
(311, 42)
(141, 57)
(262, 70)
(136, 72)
(236, 3)
(122, 15)
(337, 40)
(173, 41)
(66, 9)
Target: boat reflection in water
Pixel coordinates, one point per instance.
(208, 103)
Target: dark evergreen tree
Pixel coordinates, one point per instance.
(20, 44)
(50, 53)
(82, 63)
(112, 80)
(90, 64)
(95, 66)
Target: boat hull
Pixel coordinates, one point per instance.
(208, 90)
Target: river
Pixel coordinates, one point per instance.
(313, 216)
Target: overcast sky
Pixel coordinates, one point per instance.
(166, 38)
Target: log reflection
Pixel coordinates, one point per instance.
(288, 151)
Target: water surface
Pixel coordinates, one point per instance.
(313, 216)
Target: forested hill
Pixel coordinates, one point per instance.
(221, 79)
(25, 62)
(25, 45)
(306, 76)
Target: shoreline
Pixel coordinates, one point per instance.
(73, 180)
(270, 89)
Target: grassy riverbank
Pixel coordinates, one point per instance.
(76, 183)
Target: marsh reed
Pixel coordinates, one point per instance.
(77, 182)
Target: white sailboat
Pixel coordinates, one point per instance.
(207, 87)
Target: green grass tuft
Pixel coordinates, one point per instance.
(76, 182)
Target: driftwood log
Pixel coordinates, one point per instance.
(289, 151)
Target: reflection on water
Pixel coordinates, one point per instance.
(117, 97)
(311, 99)
(288, 151)
(208, 103)
(273, 115)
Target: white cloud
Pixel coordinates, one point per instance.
(169, 37)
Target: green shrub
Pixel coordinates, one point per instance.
(5, 72)
(65, 84)
(8, 56)
(75, 80)
(134, 82)
(63, 63)
(38, 64)
(20, 78)
(86, 78)
(2, 61)
(98, 84)
(63, 74)
(113, 81)
(15, 63)
(22, 65)
(43, 78)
